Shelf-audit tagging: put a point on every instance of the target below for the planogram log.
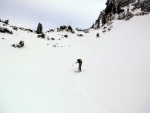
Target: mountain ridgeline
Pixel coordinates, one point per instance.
(121, 10)
(115, 10)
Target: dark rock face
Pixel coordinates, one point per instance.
(114, 7)
(5, 30)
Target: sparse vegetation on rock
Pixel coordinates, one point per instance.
(42, 35)
(80, 35)
(5, 30)
(115, 10)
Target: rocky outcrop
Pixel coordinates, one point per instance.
(121, 10)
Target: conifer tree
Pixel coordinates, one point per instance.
(39, 29)
(6, 21)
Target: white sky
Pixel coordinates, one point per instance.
(51, 13)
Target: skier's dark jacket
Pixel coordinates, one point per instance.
(79, 61)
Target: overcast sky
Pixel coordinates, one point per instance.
(51, 13)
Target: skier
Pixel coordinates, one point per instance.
(80, 64)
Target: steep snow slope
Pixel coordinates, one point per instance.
(40, 78)
(121, 71)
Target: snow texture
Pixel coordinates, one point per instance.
(40, 77)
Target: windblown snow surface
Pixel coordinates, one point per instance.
(115, 77)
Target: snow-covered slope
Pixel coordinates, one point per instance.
(40, 78)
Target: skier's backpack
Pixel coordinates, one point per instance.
(79, 60)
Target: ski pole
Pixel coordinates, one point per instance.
(73, 64)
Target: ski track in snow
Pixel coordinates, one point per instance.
(93, 98)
